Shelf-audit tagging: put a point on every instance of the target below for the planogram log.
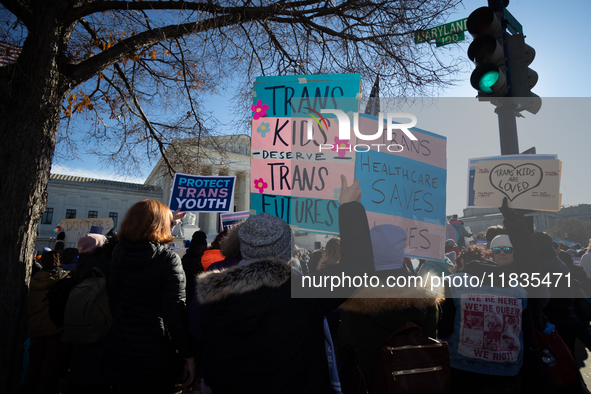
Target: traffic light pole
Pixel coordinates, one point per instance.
(507, 127)
(506, 110)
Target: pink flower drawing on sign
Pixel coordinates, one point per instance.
(260, 110)
(341, 146)
(260, 184)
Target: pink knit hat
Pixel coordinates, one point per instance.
(91, 242)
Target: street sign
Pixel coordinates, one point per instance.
(444, 34)
(513, 24)
(450, 39)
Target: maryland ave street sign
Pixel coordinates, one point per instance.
(444, 34)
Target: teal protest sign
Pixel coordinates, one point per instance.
(295, 168)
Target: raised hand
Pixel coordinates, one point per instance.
(349, 193)
(509, 214)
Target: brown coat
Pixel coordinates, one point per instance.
(38, 322)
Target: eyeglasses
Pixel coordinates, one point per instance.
(506, 249)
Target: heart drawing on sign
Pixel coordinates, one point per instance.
(514, 181)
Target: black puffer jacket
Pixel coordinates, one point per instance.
(149, 324)
(192, 267)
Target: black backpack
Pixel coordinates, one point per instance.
(411, 363)
(87, 314)
(58, 297)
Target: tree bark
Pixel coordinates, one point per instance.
(32, 93)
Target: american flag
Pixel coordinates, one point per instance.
(8, 53)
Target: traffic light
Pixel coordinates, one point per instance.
(523, 78)
(490, 75)
(502, 67)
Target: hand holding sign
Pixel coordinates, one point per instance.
(349, 194)
(178, 215)
(529, 182)
(514, 181)
(176, 218)
(509, 214)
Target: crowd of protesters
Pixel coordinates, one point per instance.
(223, 318)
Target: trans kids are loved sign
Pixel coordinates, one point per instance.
(528, 182)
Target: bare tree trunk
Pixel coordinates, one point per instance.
(30, 100)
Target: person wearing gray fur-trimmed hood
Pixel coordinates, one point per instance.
(257, 337)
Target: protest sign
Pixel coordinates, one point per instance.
(78, 228)
(292, 176)
(472, 171)
(298, 155)
(489, 327)
(229, 220)
(406, 188)
(195, 193)
(528, 182)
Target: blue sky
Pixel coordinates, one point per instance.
(557, 31)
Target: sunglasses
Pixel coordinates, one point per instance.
(506, 249)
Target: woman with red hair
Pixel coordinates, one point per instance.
(149, 336)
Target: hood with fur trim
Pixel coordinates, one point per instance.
(376, 300)
(213, 286)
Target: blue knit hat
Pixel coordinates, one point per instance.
(388, 241)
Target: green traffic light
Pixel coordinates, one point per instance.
(488, 80)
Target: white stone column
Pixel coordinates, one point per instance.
(243, 190)
(247, 181)
(238, 197)
(212, 218)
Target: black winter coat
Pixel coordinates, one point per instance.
(256, 337)
(149, 324)
(369, 319)
(528, 259)
(560, 309)
(192, 267)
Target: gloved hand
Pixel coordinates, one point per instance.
(509, 214)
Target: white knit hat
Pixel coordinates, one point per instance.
(500, 241)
